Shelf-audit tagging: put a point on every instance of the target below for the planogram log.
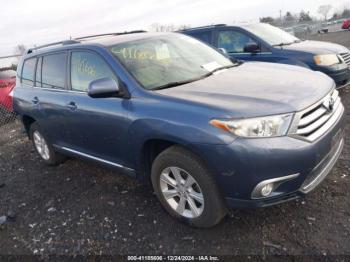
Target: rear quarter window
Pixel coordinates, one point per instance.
(28, 71)
(202, 36)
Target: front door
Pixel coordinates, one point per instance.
(235, 41)
(97, 127)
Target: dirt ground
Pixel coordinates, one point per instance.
(78, 208)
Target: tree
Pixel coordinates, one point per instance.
(346, 13)
(324, 10)
(20, 49)
(289, 17)
(156, 27)
(304, 16)
(267, 19)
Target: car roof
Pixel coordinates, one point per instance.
(200, 28)
(116, 39)
(105, 40)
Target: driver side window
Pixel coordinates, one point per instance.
(234, 41)
(87, 67)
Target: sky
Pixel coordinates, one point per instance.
(42, 21)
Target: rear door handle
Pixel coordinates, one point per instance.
(35, 100)
(72, 106)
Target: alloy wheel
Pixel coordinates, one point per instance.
(41, 145)
(182, 192)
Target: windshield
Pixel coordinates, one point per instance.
(272, 35)
(164, 60)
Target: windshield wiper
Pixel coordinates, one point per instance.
(284, 44)
(220, 68)
(178, 83)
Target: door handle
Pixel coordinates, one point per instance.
(72, 106)
(35, 100)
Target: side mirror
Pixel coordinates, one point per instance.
(104, 87)
(222, 50)
(251, 48)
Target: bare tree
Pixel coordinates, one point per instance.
(156, 27)
(20, 50)
(324, 10)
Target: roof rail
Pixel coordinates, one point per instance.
(77, 40)
(206, 26)
(66, 42)
(111, 34)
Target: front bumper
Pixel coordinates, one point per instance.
(242, 165)
(340, 76)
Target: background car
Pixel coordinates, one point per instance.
(346, 24)
(7, 84)
(266, 43)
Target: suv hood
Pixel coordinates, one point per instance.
(317, 47)
(256, 89)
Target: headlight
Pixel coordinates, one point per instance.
(326, 60)
(269, 126)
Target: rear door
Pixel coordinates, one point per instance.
(97, 127)
(50, 95)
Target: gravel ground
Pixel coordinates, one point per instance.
(78, 208)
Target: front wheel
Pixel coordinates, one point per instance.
(186, 189)
(43, 148)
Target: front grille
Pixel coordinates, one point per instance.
(346, 57)
(313, 122)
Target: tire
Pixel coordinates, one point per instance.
(209, 206)
(50, 157)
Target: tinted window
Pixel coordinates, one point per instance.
(87, 67)
(28, 71)
(38, 72)
(203, 36)
(54, 71)
(234, 41)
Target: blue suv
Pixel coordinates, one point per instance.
(266, 43)
(208, 133)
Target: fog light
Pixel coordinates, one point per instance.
(267, 190)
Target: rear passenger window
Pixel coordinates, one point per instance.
(28, 71)
(53, 74)
(87, 67)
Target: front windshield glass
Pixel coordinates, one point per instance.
(271, 34)
(167, 59)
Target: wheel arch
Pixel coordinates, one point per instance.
(27, 122)
(150, 149)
